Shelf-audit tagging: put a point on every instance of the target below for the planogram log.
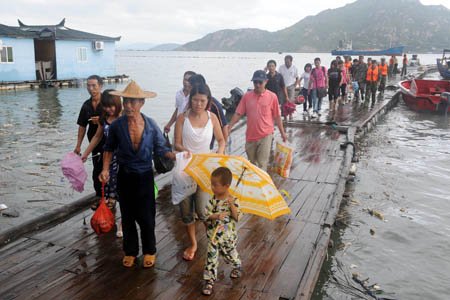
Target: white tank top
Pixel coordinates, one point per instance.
(197, 140)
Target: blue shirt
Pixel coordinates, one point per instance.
(132, 161)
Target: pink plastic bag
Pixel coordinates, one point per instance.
(73, 168)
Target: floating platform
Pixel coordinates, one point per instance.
(74, 82)
(281, 259)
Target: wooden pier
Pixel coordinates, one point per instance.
(281, 258)
(73, 82)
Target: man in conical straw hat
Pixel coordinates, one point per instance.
(136, 138)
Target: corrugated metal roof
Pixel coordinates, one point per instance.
(59, 32)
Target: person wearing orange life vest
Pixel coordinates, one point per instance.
(372, 80)
(405, 64)
(383, 70)
(391, 66)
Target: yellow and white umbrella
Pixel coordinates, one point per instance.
(253, 187)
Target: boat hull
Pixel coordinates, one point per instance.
(425, 95)
(397, 51)
(443, 69)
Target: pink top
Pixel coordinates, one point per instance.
(344, 76)
(318, 77)
(261, 112)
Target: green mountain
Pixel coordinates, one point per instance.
(368, 23)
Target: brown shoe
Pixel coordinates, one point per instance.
(128, 261)
(149, 260)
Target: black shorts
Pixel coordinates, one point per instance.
(333, 93)
(344, 89)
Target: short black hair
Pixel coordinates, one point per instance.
(307, 65)
(190, 73)
(316, 59)
(96, 77)
(272, 62)
(289, 57)
(341, 62)
(355, 60)
(224, 175)
(196, 79)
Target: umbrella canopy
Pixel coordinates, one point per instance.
(253, 187)
(73, 168)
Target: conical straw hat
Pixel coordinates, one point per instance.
(133, 90)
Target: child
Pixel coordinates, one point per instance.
(112, 109)
(305, 76)
(222, 213)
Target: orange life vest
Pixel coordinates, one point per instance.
(405, 60)
(348, 65)
(383, 69)
(372, 74)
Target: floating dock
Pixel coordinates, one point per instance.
(74, 82)
(281, 258)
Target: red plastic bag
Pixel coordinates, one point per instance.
(299, 99)
(103, 219)
(288, 108)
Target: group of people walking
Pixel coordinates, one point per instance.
(123, 146)
(363, 79)
(124, 141)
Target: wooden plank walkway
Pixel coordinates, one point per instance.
(281, 258)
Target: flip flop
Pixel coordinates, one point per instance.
(149, 260)
(235, 273)
(189, 256)
(128, 261)
(207, 288)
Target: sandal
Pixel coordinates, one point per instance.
(149, 260)
(235, 273)
(128, 261)
(111, 204)
(207, 288)
(189, 256)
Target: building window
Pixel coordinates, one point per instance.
(82, 54)
(6, 55)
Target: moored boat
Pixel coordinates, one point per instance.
(397, 51)
(426, 95)
(443, 64)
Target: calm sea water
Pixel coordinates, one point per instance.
(406, 157)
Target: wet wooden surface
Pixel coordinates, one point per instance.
(280, 258)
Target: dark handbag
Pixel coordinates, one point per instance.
(321, 92)
(163, 164)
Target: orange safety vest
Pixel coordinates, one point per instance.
(405, 60)
(383, 69)
(372, 74)
(391, 61)
(348, 65)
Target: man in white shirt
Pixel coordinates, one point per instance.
(290, 76)
(181, 100)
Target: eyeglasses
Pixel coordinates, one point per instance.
(257, 82)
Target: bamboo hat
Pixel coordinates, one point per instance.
(133, 90)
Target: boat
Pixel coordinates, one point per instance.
(426, 95)
(414, 61)
(443, 65)
(346, 48)
(396, 51)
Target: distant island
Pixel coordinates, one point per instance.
(376, 24)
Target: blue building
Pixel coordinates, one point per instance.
(32, 52)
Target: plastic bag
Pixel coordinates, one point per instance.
(299, 99)
(103, 219)
(182, 184)
(288, 108)
(355, 86)
(283, 159)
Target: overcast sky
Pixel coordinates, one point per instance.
(167, 21)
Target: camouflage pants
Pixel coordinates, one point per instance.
(371, 89)
(227, 249)
(382, 83)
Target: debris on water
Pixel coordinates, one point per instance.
(3, 207)
(403, 209)
(32, 173)
(355, 201)
(352, 169)
(43, 167)
(375, 213)
(372, 232)
(38, 190)
(9, 212)
(7, 125)
(389, 163)
(38, 154)
(41, 200)
(352, 266)
(48, 182)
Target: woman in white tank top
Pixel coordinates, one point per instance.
(193, 133)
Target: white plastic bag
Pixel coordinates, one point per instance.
(283, 159)
(182, 184)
